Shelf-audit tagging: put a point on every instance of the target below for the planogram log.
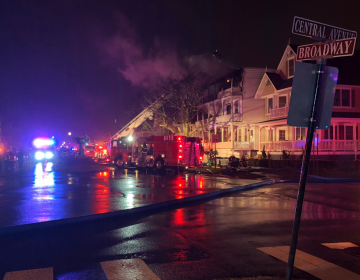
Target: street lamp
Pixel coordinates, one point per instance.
(69, 133)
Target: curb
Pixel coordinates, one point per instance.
(156, 206)
(127, 212)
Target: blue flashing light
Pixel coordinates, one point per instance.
(86, 143)
(39, 155)
(49, 155)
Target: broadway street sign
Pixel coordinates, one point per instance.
(320, 31)
(344, 47)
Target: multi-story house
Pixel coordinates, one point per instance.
(275, 136)
(231, 112)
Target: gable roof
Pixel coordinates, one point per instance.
(278, 81)
(289, 47)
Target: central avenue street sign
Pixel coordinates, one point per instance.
(344, 47)
(320, 31)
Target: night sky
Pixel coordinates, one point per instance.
(77, 65)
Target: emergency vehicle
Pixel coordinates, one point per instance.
(158, 152)
(154, 151)
(90, 150)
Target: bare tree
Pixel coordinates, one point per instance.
(179, 97)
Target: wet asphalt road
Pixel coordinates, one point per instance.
(36, 193)
(210, 239)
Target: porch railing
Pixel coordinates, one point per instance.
(322, 145)
(279, 112)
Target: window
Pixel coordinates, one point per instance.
(236, 107)
(226, 129)
(199, 115)
(251, 134)
(235, 133)
(227, 84)
(281, 135)
(240, 135)
(343, 98)
(245, 135)
(219, 134)
(291, 67)
(206, 136)
(349, 132)
(228, 109)
(282, 101)
(205, 116)
(270, 104)
(300, 133)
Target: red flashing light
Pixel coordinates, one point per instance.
(180, 156)
(180, 146)
(179, 138)
(201, 158)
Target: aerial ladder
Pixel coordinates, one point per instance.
(147, 113)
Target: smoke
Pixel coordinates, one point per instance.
(137, 64)
(147, 66)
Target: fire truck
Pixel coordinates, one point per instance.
(158, 152)
(154, 151)
(89, 150)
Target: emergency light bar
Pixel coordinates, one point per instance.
(41, 142)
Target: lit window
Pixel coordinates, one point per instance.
(226, 130)
(300, 133)
(281, 135)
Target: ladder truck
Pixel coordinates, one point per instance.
(158, 152)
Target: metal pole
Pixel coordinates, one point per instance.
(304, 171)
(215, 155)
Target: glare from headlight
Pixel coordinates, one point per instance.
(49, 155)
(39, 155)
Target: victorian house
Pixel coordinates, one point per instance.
(231, 112)
(275, 136)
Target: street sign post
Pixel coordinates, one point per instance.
(321, 32)
(215, 139)
(338, 48)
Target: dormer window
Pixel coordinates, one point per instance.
(291, 67)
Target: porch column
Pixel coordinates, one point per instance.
(232, 138)
(337, 132)
(260, 128)
(354, 139)
(293, 138)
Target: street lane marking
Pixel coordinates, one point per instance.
(128, 269)
(340, 245)
(315, 266)
(33, 274)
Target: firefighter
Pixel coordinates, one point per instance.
(144, 151)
